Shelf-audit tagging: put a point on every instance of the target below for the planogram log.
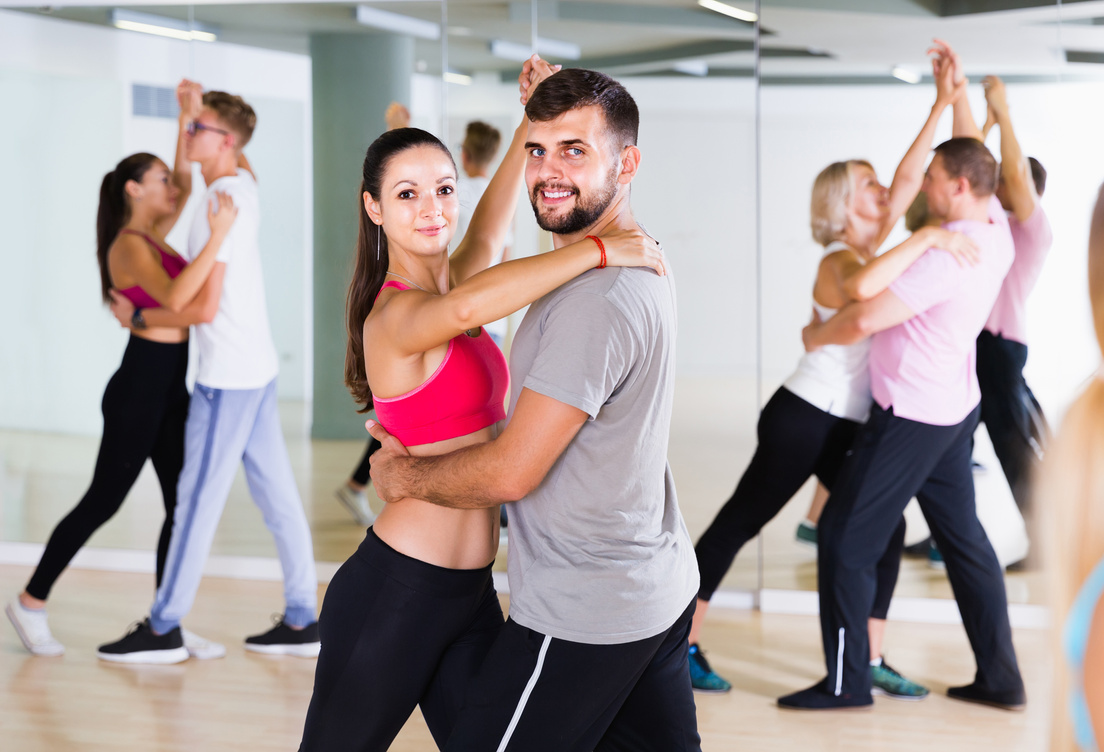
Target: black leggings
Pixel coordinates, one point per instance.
(396, 632)
(145, 406)
(796, 440)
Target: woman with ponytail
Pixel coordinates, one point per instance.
(408, 619)
(1073, 476)
(145, 403)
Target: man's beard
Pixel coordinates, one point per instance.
(586, 211)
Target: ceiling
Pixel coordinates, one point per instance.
(803, 40)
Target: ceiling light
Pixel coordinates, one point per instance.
(521, 52)
(162, 26)
(906, 75)
(397, 22)
(692, 67)
(452, 77)
(460, 31)
(728, 10)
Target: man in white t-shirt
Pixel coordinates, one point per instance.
(481, 142)
(232, 418)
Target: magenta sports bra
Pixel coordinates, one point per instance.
(173, 266)
(463, 395)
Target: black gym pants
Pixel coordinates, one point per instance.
(536, 693)
(796, 440)
(1010, 412)
(396, 632)
(145, 406)
(892, 460)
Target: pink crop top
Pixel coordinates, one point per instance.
(173, 266)
(463, 395)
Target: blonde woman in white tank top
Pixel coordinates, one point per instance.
(807, 426)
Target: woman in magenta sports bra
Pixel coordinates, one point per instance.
(409, 617)
(145, 403)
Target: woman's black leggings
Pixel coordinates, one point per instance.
(796, 440)
(361, 474)
(396, 632)
(145, 406)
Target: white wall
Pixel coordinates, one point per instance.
(806, 128)
(68, 87)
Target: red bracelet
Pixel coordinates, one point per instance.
(602, 248)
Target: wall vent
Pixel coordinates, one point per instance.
(154, 101)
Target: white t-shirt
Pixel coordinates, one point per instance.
(469, 191)
(236, 349)
(835, 378)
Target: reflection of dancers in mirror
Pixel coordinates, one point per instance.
(146, 402)
(806, 428)
(917, 439)
(233, 419)
(409, 617)
(916, 217)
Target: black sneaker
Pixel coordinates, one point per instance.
(141, 645)
(283, 640)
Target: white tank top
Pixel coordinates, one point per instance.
(835, 378)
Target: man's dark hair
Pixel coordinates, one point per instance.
(968, 158)
(573, 88)
(1038, 174)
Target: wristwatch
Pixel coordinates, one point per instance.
(136, 320)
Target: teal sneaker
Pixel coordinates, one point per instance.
(886, 681)
(702, 677)
(806, 534)
(935, 558)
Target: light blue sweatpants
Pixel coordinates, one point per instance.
(227, 426)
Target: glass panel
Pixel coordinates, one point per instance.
(853, 82)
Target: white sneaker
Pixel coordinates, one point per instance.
(200, 648)
(357, 504)
(33, 629)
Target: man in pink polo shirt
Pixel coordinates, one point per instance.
(1008, 408)
(917, 442)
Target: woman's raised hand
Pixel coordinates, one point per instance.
(189, 95)
(964, 250)
(222, 216)
(533, 72)
(632, 247)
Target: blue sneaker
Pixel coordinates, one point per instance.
(886, 681)
(702, 677)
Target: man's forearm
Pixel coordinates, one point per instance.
(463, 479)
(842, 329)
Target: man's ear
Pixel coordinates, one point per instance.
(630, 163)
(962, 186)
(372, 207)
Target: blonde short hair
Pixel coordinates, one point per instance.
(831, 197)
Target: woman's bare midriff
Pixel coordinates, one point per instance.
(444, 537)
(166, 334)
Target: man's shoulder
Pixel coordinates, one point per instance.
(242, 184)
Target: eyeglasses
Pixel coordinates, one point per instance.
(195, 127)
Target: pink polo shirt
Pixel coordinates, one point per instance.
(1032, 239)
(925, 368)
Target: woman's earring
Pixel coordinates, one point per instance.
(377, 243)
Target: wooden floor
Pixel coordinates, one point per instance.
(257, 703)
(251, 702)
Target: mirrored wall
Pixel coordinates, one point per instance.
(737, 118)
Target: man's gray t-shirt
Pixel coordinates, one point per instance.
(599, 552)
